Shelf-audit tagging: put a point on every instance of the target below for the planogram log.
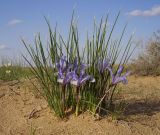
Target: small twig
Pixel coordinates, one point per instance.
(34, 111)
(2, 95)
(14, 92)
(32, 114)
(102, 98)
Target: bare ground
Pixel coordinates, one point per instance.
(21, 113)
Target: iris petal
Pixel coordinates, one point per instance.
(86, 78)
(103, 64)
(120, 70)
(122, 79)
(68, 77)
(111, 73)
(75, 64)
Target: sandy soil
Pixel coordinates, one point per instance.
(21, 113)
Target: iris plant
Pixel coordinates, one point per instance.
(64, 76)
(69, 72)
(117, 78)
(79, 79)
(74, 74)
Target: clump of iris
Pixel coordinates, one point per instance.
(104, 65)
(75, 74)
(72, 73)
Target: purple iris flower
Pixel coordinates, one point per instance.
(75, 65)
(62, 64)
(64, 73)
(80, 79)
(103, 64)
(82, 67)
(73, 73)
(65, 78)
(117, 78)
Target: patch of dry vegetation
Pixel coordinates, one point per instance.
(148, 62)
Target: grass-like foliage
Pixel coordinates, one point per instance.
(9, 70)
(76, 79)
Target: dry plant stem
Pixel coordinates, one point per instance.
(77, 100)
(63, 96)
(103, 98)
(2, 95)
(33, 113)
(111, 98)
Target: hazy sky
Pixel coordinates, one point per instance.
(24, 18)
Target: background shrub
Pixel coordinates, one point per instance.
(148, 62)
